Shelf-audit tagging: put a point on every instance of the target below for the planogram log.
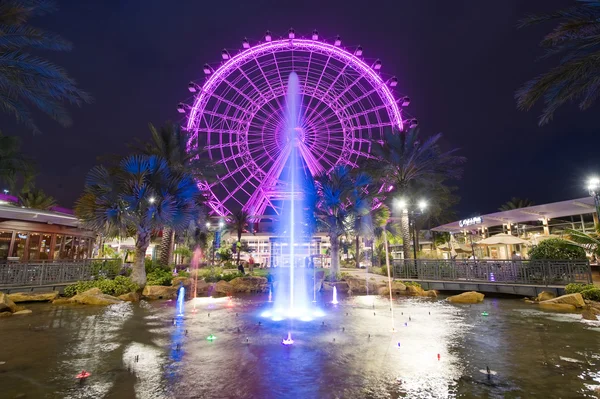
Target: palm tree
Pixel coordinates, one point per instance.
(407, 163)
(516, 203)
(36, 199)
(141, 197)
(27, 80)
(13, 164)
(239, 222)
(341, 197)
(576, 40)
(170, 143)
(588, 241)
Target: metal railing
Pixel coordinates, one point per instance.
(538, 272)
(49, 272)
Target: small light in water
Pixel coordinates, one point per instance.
(439, 356)
(266, 313)
(83, 375)
(288, 340)
(398, 345)
(405, 324)
(211, 338)
(484, 313)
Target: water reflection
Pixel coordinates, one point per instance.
(137, 351)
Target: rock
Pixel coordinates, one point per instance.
(159, 292)
(6, 304)
(398, 288)
(545, 296)
(202, 287)
(413, 290)
(5, 314)
(589, 314)
(177, 281)
(570, 299)
(561, 307)
(530, 301)
(430, 293)
(94, 296)
(130, 297)
(33, 296)
(357, 285)
(467, 297)
(250, 284)
(23, 312)
(223, 287)
(62, 301)
(341, 286)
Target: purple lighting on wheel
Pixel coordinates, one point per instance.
(238, 116)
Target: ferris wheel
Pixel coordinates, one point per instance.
(237, 115)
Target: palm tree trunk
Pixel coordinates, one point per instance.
(165, 251)
(335, 255)
(405, 229)
(138, 275)
(238, 247)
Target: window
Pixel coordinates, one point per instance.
(45, 246)
(57, 247)
(68, 248)
(19, 246)
(5, 239)
(34, 246)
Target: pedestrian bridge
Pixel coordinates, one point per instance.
(522, 277)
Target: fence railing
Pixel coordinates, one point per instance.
(46, 272)
(539, 272)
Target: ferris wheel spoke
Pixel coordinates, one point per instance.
(273, 93)
(360, 98)
(365, 112)
(220, 115)
(271, 178)
(265, 101)
(317, 85)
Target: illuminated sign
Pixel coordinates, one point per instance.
(470, 221)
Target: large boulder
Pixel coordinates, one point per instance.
(357, 285)
(6, 304)
(570, 299)
(398, 288)
(23, 312)
(159, 292)
(545, 296)
(589, 314)
(130, 297)
(62, 301)
(250, 284)
(340, 286)
(202, 287)
(467, 297)
(185, 281)
(560, 307)
(33, 296)
(5, 314)
(430, 293)
(94, 296)
(223, 287)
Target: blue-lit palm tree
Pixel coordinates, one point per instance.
(341, 197)
(576, 78)
(135, 200)
(27, 80)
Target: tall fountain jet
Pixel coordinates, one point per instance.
(292, 298)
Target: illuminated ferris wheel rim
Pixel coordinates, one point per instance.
(348, 107)
(286, 44)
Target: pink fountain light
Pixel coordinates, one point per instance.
(238, 118)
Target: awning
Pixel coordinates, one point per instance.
(502, 239)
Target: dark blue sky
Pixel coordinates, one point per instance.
(459, 61)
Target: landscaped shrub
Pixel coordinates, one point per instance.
(106, 268)
(556, 249)
(183, 274)
(152, 265)
(592, 294)
(159, 276)
(119, 286)
(575, 287)
(413, 283)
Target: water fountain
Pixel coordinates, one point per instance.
(292, 299)
(180, 299)
(334, 300)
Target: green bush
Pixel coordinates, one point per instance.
(159, 277)
(411, 283)
(119, 286)
(226, 277)
(106, 267)
(592, 294)
(557, 249)
(574, 287)
(183, 273)
(152, 265)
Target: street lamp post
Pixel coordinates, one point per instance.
(412, 210)
(594, 191)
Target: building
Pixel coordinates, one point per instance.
(33, 234)
(532, 223)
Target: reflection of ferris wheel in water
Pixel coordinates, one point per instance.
(238, 116)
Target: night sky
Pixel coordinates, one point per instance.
(460, 62)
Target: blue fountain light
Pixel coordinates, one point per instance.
(180, 298)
